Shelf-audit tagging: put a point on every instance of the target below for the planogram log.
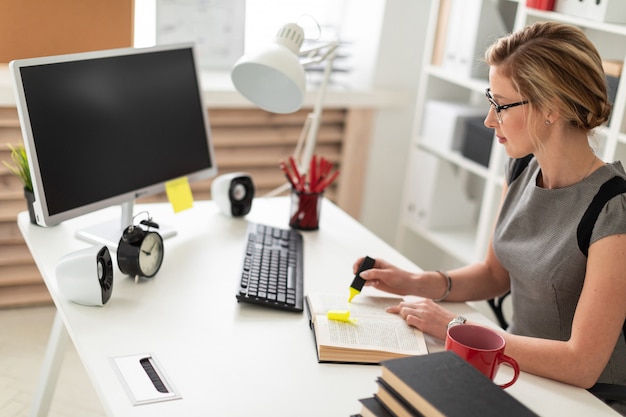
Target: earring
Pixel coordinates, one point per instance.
(548, 122)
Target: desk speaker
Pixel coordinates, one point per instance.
(86, 276)
(233, 193)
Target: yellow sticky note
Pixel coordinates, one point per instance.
(179, 194)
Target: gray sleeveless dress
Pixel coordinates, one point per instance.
(535, 240)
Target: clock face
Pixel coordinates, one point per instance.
(151, 254)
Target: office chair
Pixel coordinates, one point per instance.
(496, 307)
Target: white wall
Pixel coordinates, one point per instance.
(399, 63)
(354, 21)
(387, 39)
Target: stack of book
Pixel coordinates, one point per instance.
(437, 385)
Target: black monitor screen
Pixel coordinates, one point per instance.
(106, 127)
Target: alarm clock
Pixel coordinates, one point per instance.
(139, 251)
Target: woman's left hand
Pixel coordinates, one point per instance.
(425, 315)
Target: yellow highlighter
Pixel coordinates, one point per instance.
(340, 315)
(358, 282)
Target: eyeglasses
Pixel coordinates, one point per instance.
(498, 108)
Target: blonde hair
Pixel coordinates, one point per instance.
(555, 66)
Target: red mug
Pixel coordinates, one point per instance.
(483, 348)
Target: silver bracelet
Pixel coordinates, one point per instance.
(449, 280)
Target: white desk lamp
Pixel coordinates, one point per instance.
(274, 80)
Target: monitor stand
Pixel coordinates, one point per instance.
(108, 233)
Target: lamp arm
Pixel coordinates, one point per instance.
(316, 116)
(303, 136)
(302, 139)
(308, 136)
(314, 55)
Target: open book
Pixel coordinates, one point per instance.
(373, 336)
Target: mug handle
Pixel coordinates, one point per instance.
(514, 365)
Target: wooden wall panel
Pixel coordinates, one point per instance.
(248, 140)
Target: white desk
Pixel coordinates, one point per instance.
(226, 358)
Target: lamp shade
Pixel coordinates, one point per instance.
(273, 78)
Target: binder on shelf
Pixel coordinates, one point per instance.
(444, 201)
(451, 47)
(610, 11)
(571, 7)
(612, 85)
(445, 123)
(541, 4)
(440, 34)
(477, 141)
(612, 67)
(472, 26)
(613, 71)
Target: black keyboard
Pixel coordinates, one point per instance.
(272, 274)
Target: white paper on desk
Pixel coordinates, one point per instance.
(137, 383)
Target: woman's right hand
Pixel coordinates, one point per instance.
(387, 277)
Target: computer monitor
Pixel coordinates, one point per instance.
(107, 127)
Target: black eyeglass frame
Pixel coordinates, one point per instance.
(497, 107)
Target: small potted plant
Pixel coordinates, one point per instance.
(21, 169)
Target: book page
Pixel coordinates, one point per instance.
(372, 330)
(360, 305)
(389, 334)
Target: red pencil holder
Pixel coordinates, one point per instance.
(305, 210)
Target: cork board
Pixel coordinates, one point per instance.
(33, 28)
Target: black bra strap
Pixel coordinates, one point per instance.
(608, 190)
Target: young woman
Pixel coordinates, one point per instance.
(547, 92)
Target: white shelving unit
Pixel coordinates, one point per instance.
(443, 187)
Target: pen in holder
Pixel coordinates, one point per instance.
(307, 191)
(305, 209)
